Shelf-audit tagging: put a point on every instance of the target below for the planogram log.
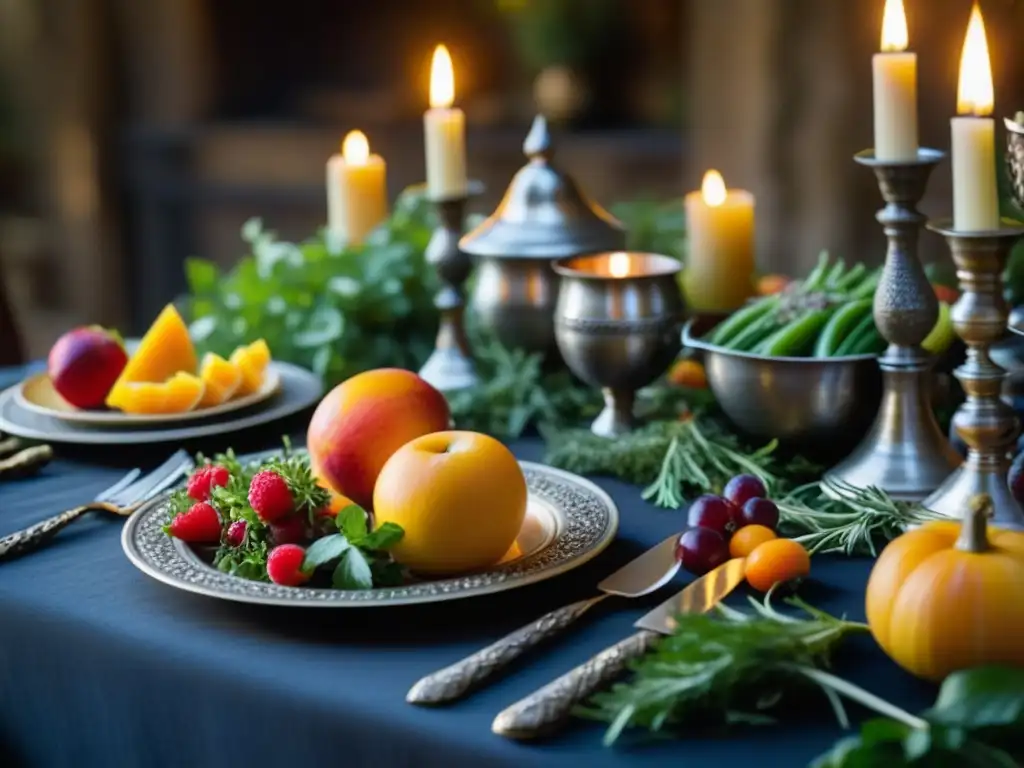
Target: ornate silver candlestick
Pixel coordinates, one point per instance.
(905, 453)
(985, 422)
(450, 366)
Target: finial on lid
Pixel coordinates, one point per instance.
(538, 140)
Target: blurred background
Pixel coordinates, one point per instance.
(135, 134)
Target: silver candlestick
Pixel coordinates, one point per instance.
(985, 422)
(905, 453)
(450, 366)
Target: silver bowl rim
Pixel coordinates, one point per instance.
(1015, 331)
(693, 343)
(668, 266)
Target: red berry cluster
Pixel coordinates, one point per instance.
(713, 520)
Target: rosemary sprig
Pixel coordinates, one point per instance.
(733, 667)
(833, 516)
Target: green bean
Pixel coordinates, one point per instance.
(856, 336)
(754, 333)
(835, 274)
(740, 319)
(846, 318)
(867, 287)
(796, 338)
(851, 278)
(814, 279)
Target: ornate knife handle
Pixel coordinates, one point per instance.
(455, 681)
(544, 710)
(24, 541)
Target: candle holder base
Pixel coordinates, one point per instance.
(618, 417)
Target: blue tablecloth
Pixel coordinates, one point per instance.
(100, 665)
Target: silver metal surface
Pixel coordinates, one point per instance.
(814, 405)
(640, 576)
(905, 453)
(699, 597)
(542, 217)
(618, 334)
(986, 423)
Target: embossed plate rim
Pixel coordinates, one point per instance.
(519, 573)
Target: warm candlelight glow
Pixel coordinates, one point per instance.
(442, 79)
(712, 189)
(618, 265)
(975, 93)
(355, 149)
(894, 27)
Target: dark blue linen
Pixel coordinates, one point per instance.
(102, 666)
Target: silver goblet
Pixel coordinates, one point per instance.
(617, 325)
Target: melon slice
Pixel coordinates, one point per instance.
(179, 394)
(222, 379)
(165, 350)
(252, 360)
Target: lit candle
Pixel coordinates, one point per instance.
(975, 195)
(618, 264)
(719, 273)
(895, 80)
(357, 198)
(445, 132)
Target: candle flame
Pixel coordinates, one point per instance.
(355, 149)
(894, 27)
(618, 264)
(442, 79)
(712, 189)
(975, 94)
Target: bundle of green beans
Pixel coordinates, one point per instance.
(828, 314)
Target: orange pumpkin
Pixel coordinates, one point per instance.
(950, 596)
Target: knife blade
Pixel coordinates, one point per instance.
(547, 708)
(641, 576)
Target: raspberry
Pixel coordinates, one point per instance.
(204, 479)
(291, 530)
(200, 525)
(284, 565)
(236, 533)
(269, 496)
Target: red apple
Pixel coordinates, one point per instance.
(946, 294)
(84, 364)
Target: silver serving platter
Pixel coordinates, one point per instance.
(569, 521)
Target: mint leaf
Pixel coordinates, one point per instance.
(983, 697)
(323, 551)
(352, 571)
(351, 521)
(387, 535)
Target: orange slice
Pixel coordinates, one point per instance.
(179, 394)
(165, 350)
(221, 378)
(252, 360)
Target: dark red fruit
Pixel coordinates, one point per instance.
(200, 525)
(284, 565)
(204, 479)
(713, 513)
(760, 512)
(701, 550)
(291, 530)
(269, 496)
(236, 533)
(742, 488)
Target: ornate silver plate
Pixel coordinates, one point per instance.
(569, 521)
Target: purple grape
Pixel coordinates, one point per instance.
(760, 512)
(713, 513)
(742, 488)
(701, 550)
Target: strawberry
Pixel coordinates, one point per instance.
(284, 565)
(204, 479)
(199, 525)
(236, 533)
(269, 496)
(291, 530)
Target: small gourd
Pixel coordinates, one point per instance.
(950, 596)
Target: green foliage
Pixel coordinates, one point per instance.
(569, 32)
(656, 227)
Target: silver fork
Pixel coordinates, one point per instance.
(122, 499)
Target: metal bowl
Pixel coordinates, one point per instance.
(818, 406)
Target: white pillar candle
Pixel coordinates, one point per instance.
(895, 89)
(975, 194)
(444, 129)
(357, 199)
(719, 274)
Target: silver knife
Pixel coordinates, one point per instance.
(547, 708)
(641, 576)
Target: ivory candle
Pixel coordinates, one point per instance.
(444, 129)
(357, 198)
(895, 89)
(975, 194)
(719, 272)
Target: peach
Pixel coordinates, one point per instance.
(84, 364)
(364, 420)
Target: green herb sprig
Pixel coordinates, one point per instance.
(833, 516)
(357, 553)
